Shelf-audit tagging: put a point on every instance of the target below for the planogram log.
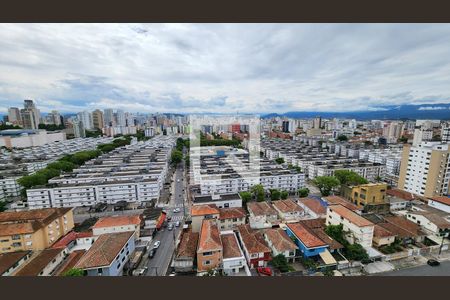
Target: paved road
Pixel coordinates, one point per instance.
(79, 218)
(426, 270)
(158, 265)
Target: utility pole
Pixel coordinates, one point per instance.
(444, 235)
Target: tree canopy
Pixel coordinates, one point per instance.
(347, 177)
(258, 191)
(326, 184)
(304, 192)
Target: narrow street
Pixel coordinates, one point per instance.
(159, 264)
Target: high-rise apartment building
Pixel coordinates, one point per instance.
(108, 117)
(54, 118)
(30, 115)
(120, 116)
(317, 123)
(97, 119)
(425, 169)
(14, 115)
(78, 128)
(86, 118)
(445, 134)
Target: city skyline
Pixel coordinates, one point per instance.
(246, 68)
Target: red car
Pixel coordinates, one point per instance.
(264, 271)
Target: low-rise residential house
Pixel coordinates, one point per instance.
(117, 224)
(231, 217)
(233, 258)
(288, 210)
(203, 212)
(382, 236)
(70, 262)
(399, 199)
(186, 252)
(108, 255)
(33, 229)
(210, 249)
(440, 202)
(307, 242)
(360, 229)
(154, 218)
(262, 215)
(44, 263)
(372, 196)
(433, 221)
(12, 261)
(406, 231)
(280, 243)
(315, 208)
(336, 200)
(256, 251)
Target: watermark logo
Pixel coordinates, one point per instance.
(216, 162)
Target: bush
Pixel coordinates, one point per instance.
(284, 195)
(280, 262)
(275, 194)
(74, 272)
(279, 160)
(304, 192)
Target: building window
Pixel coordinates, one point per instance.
(208, 253)
(206, 262)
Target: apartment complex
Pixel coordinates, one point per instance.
(425, 169)
(34, 229)
(135, 173)
(216, 173)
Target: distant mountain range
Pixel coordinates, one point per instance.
(421, 111)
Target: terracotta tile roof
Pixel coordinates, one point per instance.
(7, 260)
(436, 218)
(261, 208)
(350, 215)
(314, 205)
(332, 200)
(201, 210)
(209, 237)
(306, 236)
(402, 194)
(70, 237)
(287, 206)
(70, 262)
(402, 227)
(314, 223)
(252, 240)
(230, 246)
(231, 213)
(39, 262)
(442, 199)
(28, 221)
(104, 250)
(280, 240)
(327, 239)
(381, 232)
(117, 221)
(188, 244)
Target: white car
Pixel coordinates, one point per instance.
(176, 210)
(156, 244)
(177, 224)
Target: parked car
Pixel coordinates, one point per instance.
(177, 224)
(176, 210)
(143, 271)
(156, 244)
(264, 271)
(169, 218)
(170, 226)
(433, 262)
(152, 253)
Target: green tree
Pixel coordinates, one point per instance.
(74, 272)
(65, 166)
(258, 191)
(403, 139)
(2, 206)
(176, 156)
(93, 133)
(326, 184)
(351, 251)
(342, 138)
(275, 194)
(284, 195)
(347, 177)
(246, 196)
(280, 262)
(304, 192)
(279, 160)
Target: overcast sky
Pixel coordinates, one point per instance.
(223, 67)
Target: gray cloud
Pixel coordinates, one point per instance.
(224, 67)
